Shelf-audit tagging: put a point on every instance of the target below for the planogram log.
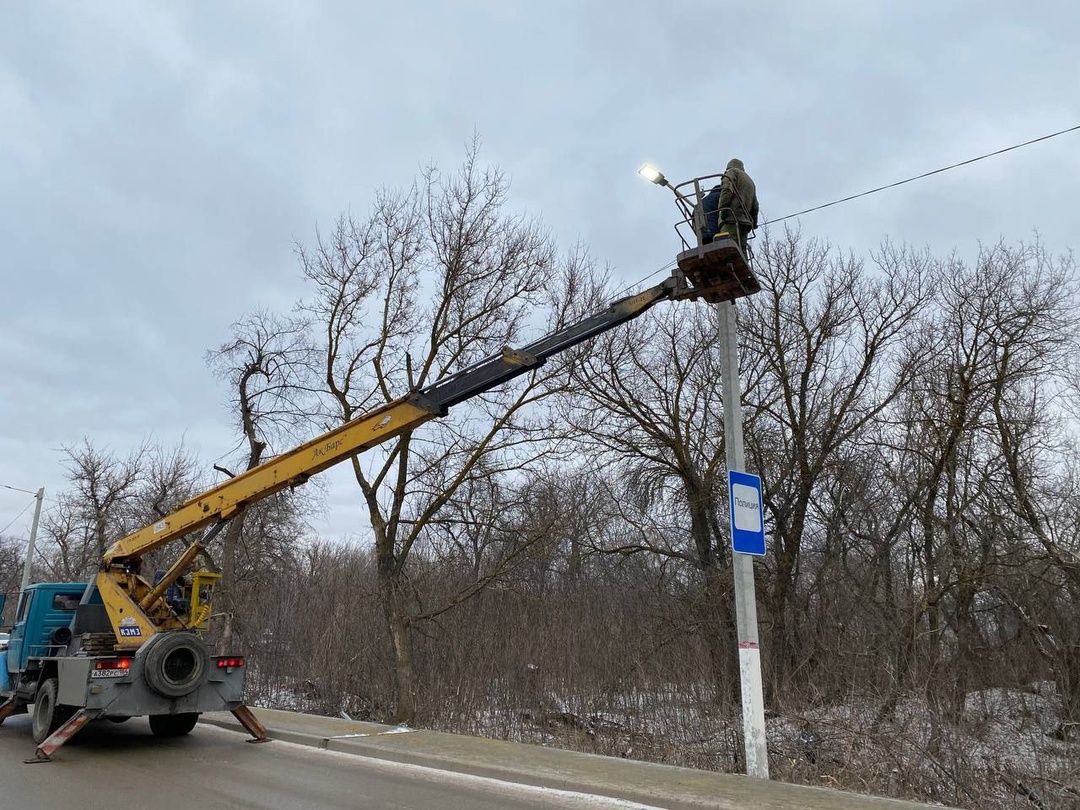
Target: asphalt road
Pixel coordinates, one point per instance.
(110, 765)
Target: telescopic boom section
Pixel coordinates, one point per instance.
(136, 607)
(296, 466)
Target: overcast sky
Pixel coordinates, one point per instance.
(158, 160)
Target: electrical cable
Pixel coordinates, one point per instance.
(927, 174)
(641, 281)
(882, 188)
(23, 512)
(8, 486)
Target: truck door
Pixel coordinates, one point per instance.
(16, 661)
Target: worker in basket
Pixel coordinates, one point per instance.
(730, 209)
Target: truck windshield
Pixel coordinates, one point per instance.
(24, 605)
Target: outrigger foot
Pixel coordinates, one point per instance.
(250, 722)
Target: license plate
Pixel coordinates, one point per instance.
(109, 673)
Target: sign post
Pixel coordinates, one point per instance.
(746, 525)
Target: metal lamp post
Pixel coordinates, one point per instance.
(753, 702)
(39, 496)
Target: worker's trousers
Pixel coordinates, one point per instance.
(736, 231)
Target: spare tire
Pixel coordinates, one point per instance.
(60, 635)
(175, 664)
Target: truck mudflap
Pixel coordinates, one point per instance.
(62, 735)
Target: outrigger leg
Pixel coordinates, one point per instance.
(62, 735)
(11, 706)
(250, 722)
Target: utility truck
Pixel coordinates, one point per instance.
(125, 644)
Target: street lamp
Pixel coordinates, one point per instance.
(753, 699)
(652, 174)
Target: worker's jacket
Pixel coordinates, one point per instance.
(738, 198)
(710, 214)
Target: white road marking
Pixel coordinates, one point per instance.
(572, 800)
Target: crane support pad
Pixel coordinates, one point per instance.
(252, 723)
(718, 272)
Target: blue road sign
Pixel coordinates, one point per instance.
(747, 513)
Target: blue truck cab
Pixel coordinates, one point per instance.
(40, 625)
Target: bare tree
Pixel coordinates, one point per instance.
(1033, 330)
(109, 497)
(964, 437)
(825, 357)
(12, 558)
(266, 364)
(436, 277)
(650, 402)
(96, 512)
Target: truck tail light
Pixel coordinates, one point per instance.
(229, 663)
(113, 663)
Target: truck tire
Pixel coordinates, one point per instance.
(48, 717)
(175, 664)
(173, 725)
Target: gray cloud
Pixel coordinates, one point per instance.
(159, 159)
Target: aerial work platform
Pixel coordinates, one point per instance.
(717, 272)
(710, 268)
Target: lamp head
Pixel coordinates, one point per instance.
(652, 174)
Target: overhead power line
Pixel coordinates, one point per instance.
(883, 188)
(23, 512)
(928, 174)
(641, 281)
(16, 489)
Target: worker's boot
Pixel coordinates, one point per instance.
(729, 230)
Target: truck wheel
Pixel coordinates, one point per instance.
(173, 725)
(48, 717)
(175, 664)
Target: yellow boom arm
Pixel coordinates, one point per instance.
(289, 469)
(137, 609)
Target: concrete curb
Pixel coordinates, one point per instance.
(353, 745)
(647, 783)
(223, 720)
